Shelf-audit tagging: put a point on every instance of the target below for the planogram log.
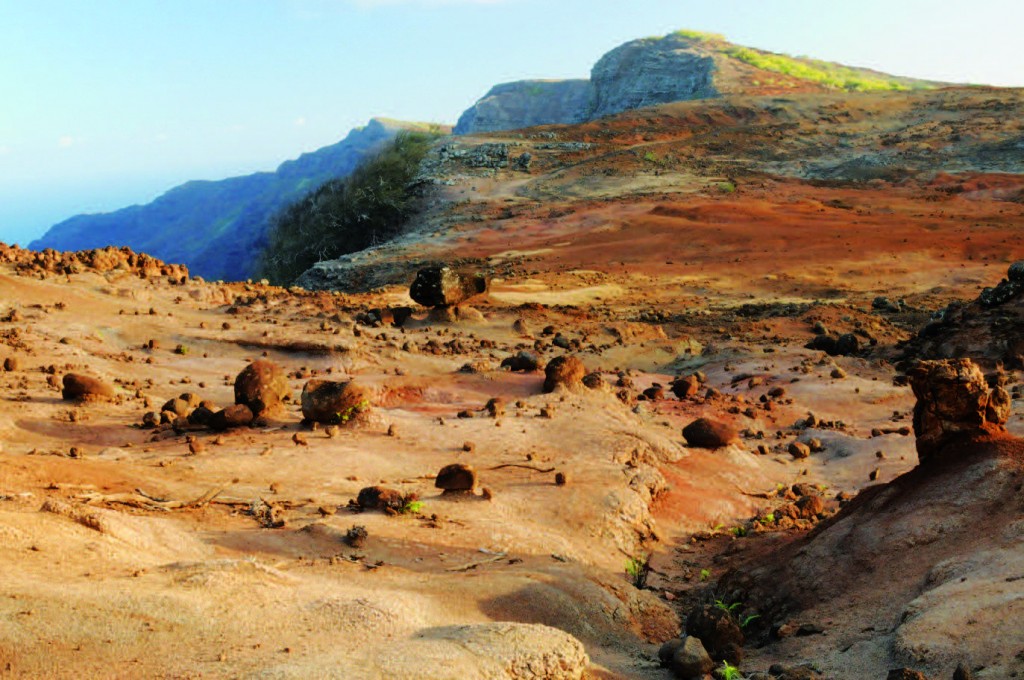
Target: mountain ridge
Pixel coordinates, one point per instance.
(216, 226)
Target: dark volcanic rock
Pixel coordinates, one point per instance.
(380, 498)
(522, 361)
(442, 286)
(263, 387)
(690, 660)
(456, 477)
(330, 402)
(231, 417)
(85, 388)
(718, 631)
(704, 433)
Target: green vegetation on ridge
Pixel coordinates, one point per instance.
(367, 208)
(823, 72)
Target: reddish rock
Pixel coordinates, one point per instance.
(380, 498)
(687, 387)
(456, 477)
(704, 433)
(444, 287)
(718, 630)
(263, 387)
(565, 372)
(331, 403)
(85, 388)
(238, 415)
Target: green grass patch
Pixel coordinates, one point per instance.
(821, 72)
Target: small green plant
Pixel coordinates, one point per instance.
(769, 518)
(747, 620)
(699, 35)
(726, 187)
(651, 157)
(352, 411)
(738, 531)
(638, 569)
(705, 574)
(727, 608)
(729, 672)
(181, 349)
(412, 507)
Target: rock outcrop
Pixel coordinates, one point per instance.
(331, 402)
(442, 286)
(263, 387)
(651, 71)
(953, 398)
(526, 103)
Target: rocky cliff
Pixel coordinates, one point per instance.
(526, 103)
(681, 66)
(217, 227)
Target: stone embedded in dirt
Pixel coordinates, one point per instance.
(456, 477)
(520, 327)
(691, 661)
(561, 479)
(495, 407)
(178, 407)
(522, 361)
(799, 450)
(238, 415)
(356, 536)
(705, 433)
(263, 387)
(668, 650)
(718, 630)
(905, 674)
(442, 286)
(809, 507)
(684, 388)
(332, 403)
(85, 388)
(380, 498)
(10, 364)
(962, 672)
(594, 381)
(150, 420)
(953, 398)
(843, 345)
(564, 372)
(838, 373)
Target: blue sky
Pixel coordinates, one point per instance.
(110, 102)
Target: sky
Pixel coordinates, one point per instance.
(108, 103)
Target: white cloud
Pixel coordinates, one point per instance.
(66, 141)
(300, 121)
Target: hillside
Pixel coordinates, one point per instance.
(218, 227)
(681, 66)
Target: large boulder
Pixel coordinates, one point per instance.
(263, 387)
(719, 632)
(456, 478)
(705, 433)
(442, 286)
(564, 372)
(953, 398)
(85, 388)
(691, 661)
(331, 402)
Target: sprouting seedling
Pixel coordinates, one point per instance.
(638, 569)
(728, 671)
(727, 608)
(705, 574)
(738, 531)
(747, 620)
(769, 518)
(412, 507)
(352, 411)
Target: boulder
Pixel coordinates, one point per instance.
(380, 498)
(85, 388)
(521, 361)
(263, 387)
(564, 372)
(231, 417)
(331, 402)
(690, 661)
(442, 286)
(705, 433)
(719, 632)
(687, 387)
(953, 398)
(456, 477)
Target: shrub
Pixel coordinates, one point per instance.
(823, 72)
(367, 208)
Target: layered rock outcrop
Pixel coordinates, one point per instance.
(526, 103)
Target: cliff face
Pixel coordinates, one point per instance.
(217, 227)
(526, 103)
(650, 71)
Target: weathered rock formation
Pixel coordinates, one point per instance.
(526, 103)
(953, 398)
(331, 402)
(263, 387)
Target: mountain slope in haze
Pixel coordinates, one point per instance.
(681, 66)
(218, 227)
